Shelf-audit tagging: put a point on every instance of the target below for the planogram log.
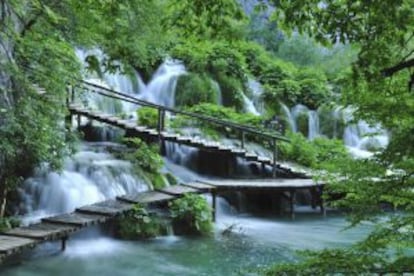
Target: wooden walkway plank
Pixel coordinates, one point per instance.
(200, 186)
(106, 208)
(146, 197)
(177, 190)
(42, 231)
(263, 183)
(10, 245)
(76, 219)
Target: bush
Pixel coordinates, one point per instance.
(191, 215)
(314, 154)
(194, 89)
(231, 92)
(7, 223)
(147, 116)
(223, 113)
(146, 160)
(138, 224)
(286, 91)
(313, 88)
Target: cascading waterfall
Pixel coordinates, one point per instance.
(90, 176)
(257, 92)
(131, 84)
(360, 137)
(299, 111)
(249, 106)
(161, 89)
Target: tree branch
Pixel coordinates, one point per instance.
(388, 72)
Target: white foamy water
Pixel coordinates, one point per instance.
(88, 177)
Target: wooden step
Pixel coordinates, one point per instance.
(203, 187)
(10, 244)
(109, 208)
(41, 231)
(146, 197)
(76, 219)
(177, 190)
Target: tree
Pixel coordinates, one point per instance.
(383, 32)
(38, 61)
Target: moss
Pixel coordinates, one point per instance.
(192, 215)
(172, 180)
(158, 180)
(302, 123)
(230, 92)
(332, 124)
(194, 89)
(138, 224)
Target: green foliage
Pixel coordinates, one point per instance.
(194, 89)
(148, 117)
(223, 113)
(7, 223)
(138, 223)
(192, 215)
(207, 20)
(317, 153)
(219, 60)
(146, 160)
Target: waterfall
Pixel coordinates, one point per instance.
(288, 115)
(360, 137)
(249, 106)
(161, 89)
(257, 91)
(90, 176)
(313, 128)
(129, 84)
(312, 120)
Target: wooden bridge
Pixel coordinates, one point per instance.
(161, 134)
(60, 227)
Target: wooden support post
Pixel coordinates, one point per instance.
(68, 121)
(274, 173)
(292, 203)
(214, 198)
(161, 120)
(321, 203)
(243, 138)
(78, 121)
(72, 94)
(63, 245)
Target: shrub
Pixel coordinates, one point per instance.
(191, 215)
(220, 112)
(194, 89)
(148, 116)
(138, 224)
(316, 154)
(7, 223)
(146, 160)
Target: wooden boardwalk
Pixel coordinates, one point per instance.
(205, 145)
(60, 227)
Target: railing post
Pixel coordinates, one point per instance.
(159, 121)
(274, 145)
(243, 138)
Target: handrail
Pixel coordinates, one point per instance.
(131, 99)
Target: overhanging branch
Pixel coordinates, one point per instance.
(388, 72)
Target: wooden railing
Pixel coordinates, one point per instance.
(242, 129)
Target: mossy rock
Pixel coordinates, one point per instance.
(193, 89)
(331, 122)
(302, 123)
(231, 92)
